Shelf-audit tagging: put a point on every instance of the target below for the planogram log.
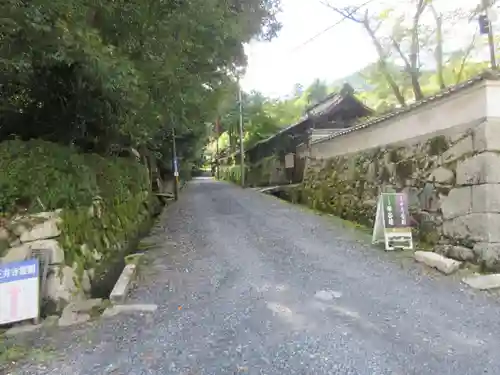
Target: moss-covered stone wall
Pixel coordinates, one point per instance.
(449, 180)
(83, 210)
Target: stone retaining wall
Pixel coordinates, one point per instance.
(73, 271)
(451, 176)
(24, 235)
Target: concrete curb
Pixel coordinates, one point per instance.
(122, 286)
(483, 282)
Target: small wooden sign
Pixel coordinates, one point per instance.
(289, 160)
(392, 222)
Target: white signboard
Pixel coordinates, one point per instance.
(392, 222)
(289, 160)
(19, 291)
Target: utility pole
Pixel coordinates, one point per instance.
(486, 27)
(175, 167)
(242, 151)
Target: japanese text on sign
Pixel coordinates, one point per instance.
(12, 271)
(19, 291)
(395, 210)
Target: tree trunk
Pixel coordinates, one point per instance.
(414, 51)
(468, 51)
(382, 63)
(438, 53)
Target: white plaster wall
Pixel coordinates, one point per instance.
(493, 98)
(466, 106)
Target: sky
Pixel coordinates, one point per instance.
(274, 67)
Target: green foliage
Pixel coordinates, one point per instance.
(38, 171)
(103, 76)
(231, 173)
(437, 145)
(262, 117)
(91, 241)
(104, 201)
(118, 179)
(41, 176)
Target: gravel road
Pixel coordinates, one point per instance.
(248, 284)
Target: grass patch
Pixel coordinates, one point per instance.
(12, 353)
(146, 245)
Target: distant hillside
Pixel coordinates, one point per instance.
(358, 82)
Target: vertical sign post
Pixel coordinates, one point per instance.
(19, 291)
(242, 149)
(217, 134)
(392, 222)
(175, 166)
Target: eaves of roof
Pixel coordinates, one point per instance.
(282, 131)
(487, 75)
(338, 98)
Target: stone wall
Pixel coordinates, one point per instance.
(81, 247)
(451, 176)
(23, 236)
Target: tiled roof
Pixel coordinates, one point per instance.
(487, 75)
(335, 98)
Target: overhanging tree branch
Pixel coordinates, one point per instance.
(350, 14)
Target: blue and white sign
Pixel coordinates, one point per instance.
(19, 291)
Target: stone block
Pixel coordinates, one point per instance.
(487, 136)
(488, 254)
(117, 309)
(463, 254)
(22, 328)
(457, 203)
(486, 198)
(47, 229)
(4, 234)
(479, 169)
(458, 150)
(84, 306)
(86, 282)
(19, 228)
(437, 261)
(56, 253)
(120, 290)
(441, 175)
(480, 227)
(61, 286)
(483, 282)
(16, 254)
(70, 319)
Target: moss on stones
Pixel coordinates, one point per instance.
(404, 169)
(384, 174)
(438, 145)
(348, 186)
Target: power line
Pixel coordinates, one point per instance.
(331, 26)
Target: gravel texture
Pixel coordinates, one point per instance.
(248, 284)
